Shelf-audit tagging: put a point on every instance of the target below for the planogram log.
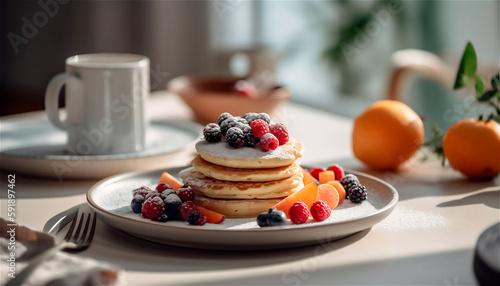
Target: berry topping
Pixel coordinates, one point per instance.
(299, 213)
(167, 192)
(163, 218)
(250, 117)
(349, 181)
(223, 117)
(154, 194)
(197, 218)
(136, 203)
(143, 191)
(280, 131)
(162, 187)
(320, 211)
(186, 209)
(235, 137)
(338, 170)
(185, 193)
(262, 219)
(241, 120)
(153, 208)
(276, 218)
(357, 194)
(250, 139)
(268, 142)
(172, 206)
(259, 128)
(315, 172)
(212, 133)
(228, 123)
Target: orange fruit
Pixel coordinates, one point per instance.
(306, 177)
(339, 188)
(326, 176)
(170, 180)
(473, 148)
(308, 195)
(329, 195)
(387, 134)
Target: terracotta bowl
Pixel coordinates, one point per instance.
(209, 97)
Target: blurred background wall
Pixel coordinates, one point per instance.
(186, 37)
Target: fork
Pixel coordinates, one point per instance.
(75, 239)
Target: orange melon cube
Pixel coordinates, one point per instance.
(326, 176)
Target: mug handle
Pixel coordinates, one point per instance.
(422, 63)
(52, 98)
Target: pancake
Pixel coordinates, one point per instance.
(236, 208)
(244, 175)
(240, 190)
(222, 154)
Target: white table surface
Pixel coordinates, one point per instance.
(429, 239)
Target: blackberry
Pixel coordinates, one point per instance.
(250, 117)
(223, 117)
(235, 137)
(357, 194)
(172, 206)
(212, 133)
(226, 124)
(347, 182)
(241, 120)
(136, 203)
(250, 139)
(197, 218)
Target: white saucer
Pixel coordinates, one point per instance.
(32, 146)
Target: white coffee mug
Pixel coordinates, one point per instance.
(105, 100)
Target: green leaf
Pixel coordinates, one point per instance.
(479, 86)
(495, 82)
(487, 95)
(467, 69)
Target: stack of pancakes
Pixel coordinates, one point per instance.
(243, 182)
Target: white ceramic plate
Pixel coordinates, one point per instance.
(31, 145)
(111, 197)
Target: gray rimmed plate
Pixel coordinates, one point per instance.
(111, 197)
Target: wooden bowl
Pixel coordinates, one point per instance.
(209, 97)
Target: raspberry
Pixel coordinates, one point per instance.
(250, 139)
(280, 131)
(347, 182)
(320, 211)
(152, 208)
(185, 193)
(268, 142)
(357, 194)
(250, 117)
(212, 133)
(259, 128)
(235, 137)
(186, 209)
(197, 218)
(143, 191)
(338, 170)
(223, 117)
(299, 213)
(162, 187)
(315, 172)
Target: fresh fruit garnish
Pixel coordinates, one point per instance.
(473, 148)
(162, 187)
(338, 170)
(212, 133)
(235, 137)
(308, 195)
(143, 191)
(273, 217)
(280, 131)
(170, 180)
(320, 210)
(387, 134)
(315, 172)
(326, 176)
(172, 206)
(186, 209)
(348, 181)
(185, 193)
(340, 190)
(268, 142)
(329, 195)
(306, 177)
(153, 208)
(259, 128)
(212, 217)
(357, 194)
(250, 117)
(299, 213)
(136, 203)
(223, 117)
(197, 218)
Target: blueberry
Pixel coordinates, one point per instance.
(168, 192)
(276, 218)
(172, 206)
(163, 218)
(136, 203)
(262, 219)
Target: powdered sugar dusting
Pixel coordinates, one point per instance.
(293, 149)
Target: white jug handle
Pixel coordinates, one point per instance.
(418, 62)
(52, 98)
